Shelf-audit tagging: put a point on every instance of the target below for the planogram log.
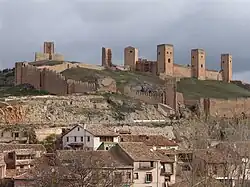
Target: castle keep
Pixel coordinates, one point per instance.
(165, 66)
(48, 53)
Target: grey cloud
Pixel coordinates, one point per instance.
(81, 27)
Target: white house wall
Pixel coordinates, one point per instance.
(78, 134)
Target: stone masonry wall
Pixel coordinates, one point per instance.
(53, 82)
(226, 108)
(48, 80)
(151, 98)
(181, 71)
(213, 75)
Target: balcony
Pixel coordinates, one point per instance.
(146, 166)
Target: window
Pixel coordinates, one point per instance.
(88, 138)
(128, 175)
(131, 51)
(81, 138)
(106, 139)
(223, 62)
(167, 52)
(16, 134)
(192, 56)
(169, 60)
(107, 148)
(159, 53)
(136, 176)
(67, 139)
(75, 138)
(202, 65)
(149, 178)
(201, 56)
(170, 53)
(78, 128)
(151, 164)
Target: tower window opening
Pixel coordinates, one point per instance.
(169, 60)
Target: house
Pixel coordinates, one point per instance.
(86, 137)
(18, 157)
(13, 136)
(148, 166)
(154, 141)
(76, 167)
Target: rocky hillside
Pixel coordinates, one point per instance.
(72, 109)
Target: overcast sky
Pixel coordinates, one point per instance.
(80, 28)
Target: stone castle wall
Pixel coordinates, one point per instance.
(67, 65)
(169, 97)
(226, 107)
(148, 97)
(213, 75)
(185, 71)
(48, 80)
(182, 71)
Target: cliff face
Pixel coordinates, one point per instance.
(64, 110)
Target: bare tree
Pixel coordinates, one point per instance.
(83, 170)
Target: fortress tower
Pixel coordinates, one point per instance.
(165, 59)
(48, 53)
(198, 62)
(106, 57)
(130, 57)
(226, 67)
(49, 48)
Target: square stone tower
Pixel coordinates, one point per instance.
(226, 67)
(49, 48)
(106, 57)
(198, 62)
(165, 59)
(130, 57)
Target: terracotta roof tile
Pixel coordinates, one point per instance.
(150, 140)
(139, 151)
(11, 147)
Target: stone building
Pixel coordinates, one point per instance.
(198, 64)
(106, 57)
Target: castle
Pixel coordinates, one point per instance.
(165, 66)
(45, 74)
